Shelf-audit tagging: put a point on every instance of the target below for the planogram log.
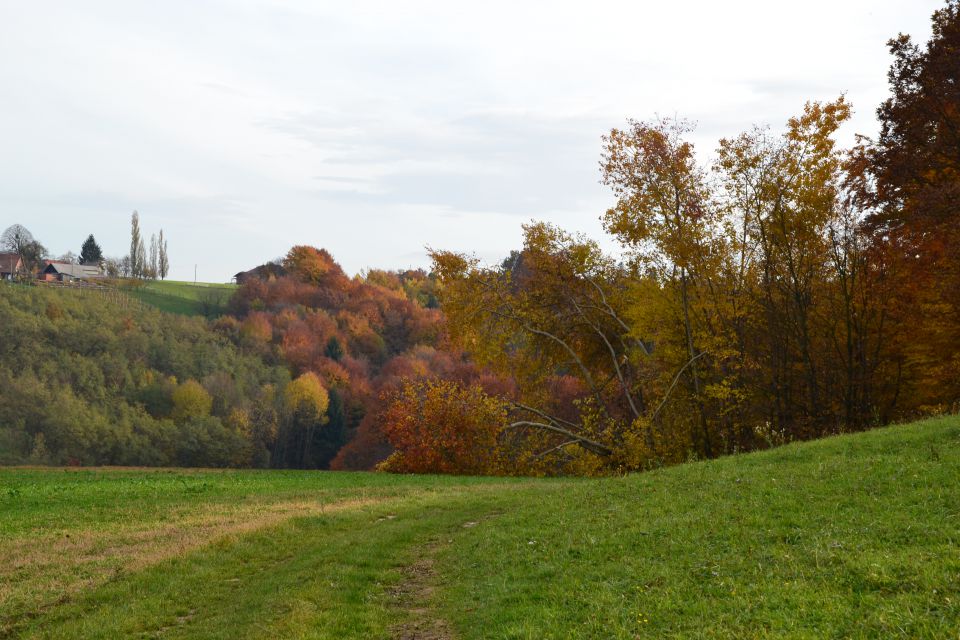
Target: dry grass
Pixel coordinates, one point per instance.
(52, 567)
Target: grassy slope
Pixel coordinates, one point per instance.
(855, 536)
(184, 298)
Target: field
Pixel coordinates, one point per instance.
(853, 536)
(186, 298)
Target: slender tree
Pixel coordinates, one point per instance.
(163, 262)
(136, 245)
(141, 260)
(154, 267)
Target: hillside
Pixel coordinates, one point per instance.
(90, 377)
(850, 536)
(185, 298)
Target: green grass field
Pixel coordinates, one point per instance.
(187, 298)
(855, 536)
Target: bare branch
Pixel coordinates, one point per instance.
(590, 445)
(673, 384)
(613, 358)
(609, 310)
(562, 445)
(546, 416)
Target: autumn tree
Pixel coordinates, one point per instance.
(306, 402)
(907, 181)
(785, 191)
(315, 266)
(914, 165)
(441, 426)
(742, 314)
(191, 400)
(665, 216)
(560, 315)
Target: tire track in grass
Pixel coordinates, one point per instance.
(414, 594)
(313, 578)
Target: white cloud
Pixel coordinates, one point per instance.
(375, 128)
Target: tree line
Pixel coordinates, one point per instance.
(788, 290)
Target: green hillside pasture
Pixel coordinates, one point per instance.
(854, 536)
(186, 298)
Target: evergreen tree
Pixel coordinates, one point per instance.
(90, 252)
(334, 349)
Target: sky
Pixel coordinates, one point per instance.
(377, 128)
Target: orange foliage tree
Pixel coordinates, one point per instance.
(441, 426)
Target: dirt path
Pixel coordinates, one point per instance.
(413, 596)
(414, 593)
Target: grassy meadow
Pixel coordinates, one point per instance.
(854, 536)
(185, 298)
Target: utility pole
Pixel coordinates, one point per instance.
(194, 274)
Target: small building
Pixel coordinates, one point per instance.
(10, 266)
(66, 271)
(268, 271)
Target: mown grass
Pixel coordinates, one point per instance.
(855, 536)
(186, 298)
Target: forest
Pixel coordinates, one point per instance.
(786, 290)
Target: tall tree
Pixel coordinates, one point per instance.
(90, 252)
(307, 402)
(163, 261)
(154, 266)
(664, 215)
(142, 258)
(786, 191)
(915, 162)
(136, 245)
(908, 181)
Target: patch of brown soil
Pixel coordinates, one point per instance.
(412, 595)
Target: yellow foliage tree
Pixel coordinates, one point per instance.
(306, 402)
(191, 400)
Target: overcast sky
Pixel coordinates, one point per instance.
(375, 128)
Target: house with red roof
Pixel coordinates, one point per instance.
(10, 265)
